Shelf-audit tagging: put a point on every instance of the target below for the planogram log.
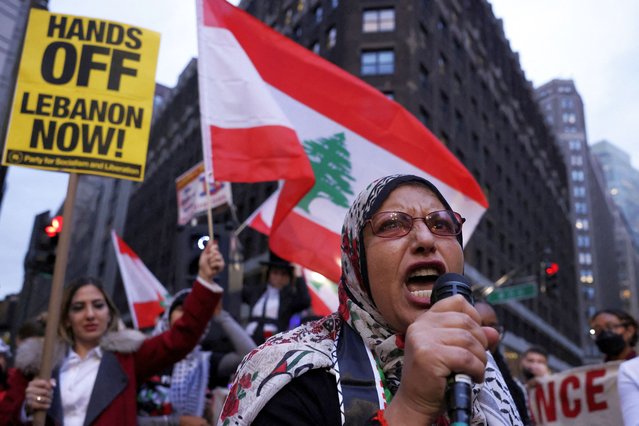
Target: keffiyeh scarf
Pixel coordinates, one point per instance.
(285, 356)
(183, 391)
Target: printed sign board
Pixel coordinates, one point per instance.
(83, 97)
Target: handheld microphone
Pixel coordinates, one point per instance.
(458, 391)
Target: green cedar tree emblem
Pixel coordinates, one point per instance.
(332, 167)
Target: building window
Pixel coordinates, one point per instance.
(567, 103)
(582, 224)
(442, 25)
(423, 77)
(316, 48)
(577, 175)
(319, 14)
(589, 293)
(424, 116)
(445, 103)
(389, 95)
(585, 259)
(579, 191)
(569, 117)
(331, 37)
(441, 63)
(580, 208)
(576, 160)
(583, 241)
(379, 20)
(378, 62)
(334, 4)
(574, 145)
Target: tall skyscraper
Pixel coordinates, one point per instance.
(593, 214)
(622, 182)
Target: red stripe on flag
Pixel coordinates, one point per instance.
(125, 249)
(297, 239)
(342, 97)
(259, 225)
(257, 154)
(147, 313)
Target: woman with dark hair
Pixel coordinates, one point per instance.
(97, 368)
(615, 334)
(386, 355)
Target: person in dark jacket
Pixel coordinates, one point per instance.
(273, 302)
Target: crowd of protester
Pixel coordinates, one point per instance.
(384, 358)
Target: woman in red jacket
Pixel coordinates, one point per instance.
(98, 369)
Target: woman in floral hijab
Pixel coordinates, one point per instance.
(385, 356)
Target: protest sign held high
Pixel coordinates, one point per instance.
(84, 96)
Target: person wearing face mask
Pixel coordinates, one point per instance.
(615, 334)
(534, 364)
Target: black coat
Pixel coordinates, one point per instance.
(293, 298)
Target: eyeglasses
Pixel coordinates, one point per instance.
(446, 223)
(594, 332)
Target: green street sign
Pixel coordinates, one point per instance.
(515, 292)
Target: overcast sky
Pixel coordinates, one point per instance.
(584, 40)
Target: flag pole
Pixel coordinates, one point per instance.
(209, 213)
(57, 286)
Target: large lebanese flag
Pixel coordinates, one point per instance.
(351, 132)
(145, 294)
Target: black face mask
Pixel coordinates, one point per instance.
(609, 343)
(527, 374)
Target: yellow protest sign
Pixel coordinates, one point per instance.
(84, 96)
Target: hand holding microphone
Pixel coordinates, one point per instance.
(458, 391)
(441, 343)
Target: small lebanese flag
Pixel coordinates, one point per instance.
(262, 82)
(324, 299)
(145, 294)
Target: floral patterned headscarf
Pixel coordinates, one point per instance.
(285, 356)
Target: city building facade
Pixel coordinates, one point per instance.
(622, 182)
(592, 212)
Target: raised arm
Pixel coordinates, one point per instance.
(165, 349)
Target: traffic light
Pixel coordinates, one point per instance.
(54, 228)
(45, 237)
(548, 276)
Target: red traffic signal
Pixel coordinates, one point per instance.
(551, 269)
(55, 227)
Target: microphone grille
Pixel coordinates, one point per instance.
(451, 284)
